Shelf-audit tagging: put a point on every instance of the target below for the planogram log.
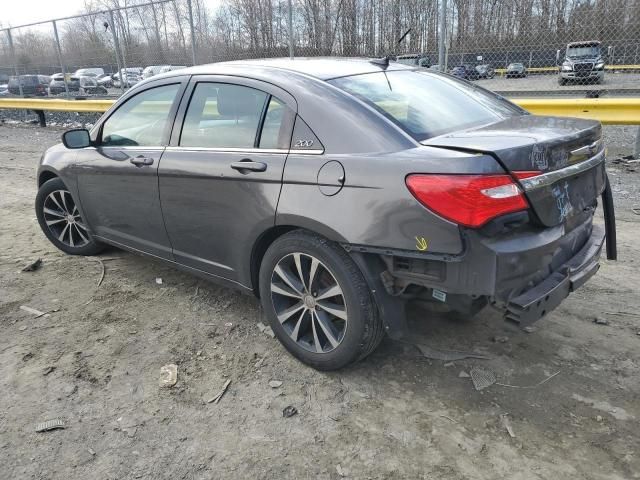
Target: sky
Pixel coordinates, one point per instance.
(20, 12)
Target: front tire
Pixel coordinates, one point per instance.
(317, 301)
(61, 222)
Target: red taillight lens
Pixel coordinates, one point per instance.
(469, 200)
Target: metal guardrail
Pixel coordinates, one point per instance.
(609, 111)
(502, 71)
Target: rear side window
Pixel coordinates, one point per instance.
(141, 120)
(427, 104)
(222, 115)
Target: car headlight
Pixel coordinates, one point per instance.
(599, 65)
(566, 67)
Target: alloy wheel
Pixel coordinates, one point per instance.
(309, 302)
(63, 219)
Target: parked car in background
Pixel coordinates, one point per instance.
(151, 70)
(481, 203)
(468, 72)
(129, 78)
(85, 85)
(170, 68)
(485, 71)
(37, 85)
(516, 70)
(89, 71)
(105, 80)
(418, 59)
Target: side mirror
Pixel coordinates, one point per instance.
(76, 138)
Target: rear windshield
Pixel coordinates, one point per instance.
(427, 104)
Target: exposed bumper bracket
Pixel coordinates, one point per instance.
(535, 303)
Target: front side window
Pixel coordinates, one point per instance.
(425, 104)
(141, 120)
(222, 115)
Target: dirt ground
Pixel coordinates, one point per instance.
(96, 363)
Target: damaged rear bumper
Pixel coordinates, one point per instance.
(535, 303)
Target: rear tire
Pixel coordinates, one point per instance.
(317, 301)
(61, 222)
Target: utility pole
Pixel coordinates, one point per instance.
(15, 61)
(290, 30)
(442, 36)
(116, 45)
(59, 52)
(193, 34)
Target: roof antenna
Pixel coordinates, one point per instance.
(384, 61)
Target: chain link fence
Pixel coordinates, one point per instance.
(515, 47)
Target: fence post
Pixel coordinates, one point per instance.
(116, 46)
(193, 34)
(441, 37)
(15, 62)
(290, 22)
(59, 52)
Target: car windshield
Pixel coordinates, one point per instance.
(408, 60)
(516, 65)
(427, 104)
(586, 51)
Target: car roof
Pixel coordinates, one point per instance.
(321, 68)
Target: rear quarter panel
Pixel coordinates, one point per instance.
(375, 207)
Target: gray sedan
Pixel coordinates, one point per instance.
(335, 190)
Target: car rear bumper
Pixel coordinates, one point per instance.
(536, 302)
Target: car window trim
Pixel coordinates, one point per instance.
(263, 115)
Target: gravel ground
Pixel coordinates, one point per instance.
(95, 362)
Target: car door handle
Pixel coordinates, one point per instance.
(141, 161)
(246, 165)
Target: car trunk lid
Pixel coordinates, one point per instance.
(568, 154)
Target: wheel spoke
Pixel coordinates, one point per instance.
(296, 330)
(312, 272)
(64, 230)
(288, 279)
(327, 328)
(84, 239)
(55, 200)
(296, 259)
(71, 241)
(55, 213)
(315, 336)
(280, 290)
(53, 222)
(329, 292)
(64, 201)
(335, 310)
(82, 226)
(288, 313)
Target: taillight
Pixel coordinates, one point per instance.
(469, 200)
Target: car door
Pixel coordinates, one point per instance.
(220, 178)
(118, 178)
